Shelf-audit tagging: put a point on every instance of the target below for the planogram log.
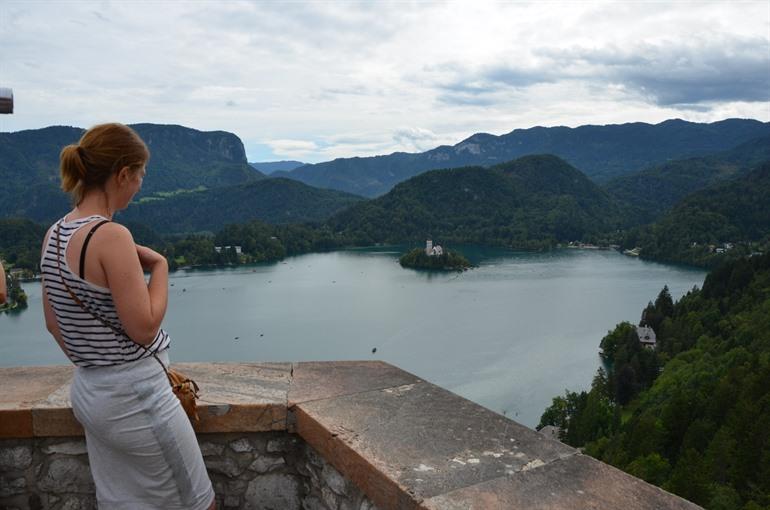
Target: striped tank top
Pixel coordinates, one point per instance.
(88, 340)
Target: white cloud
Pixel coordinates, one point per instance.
(416, 139)
(318, 80)
(293, 149)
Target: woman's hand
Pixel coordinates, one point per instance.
(148, 257)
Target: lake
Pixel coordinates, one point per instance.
(510, 334)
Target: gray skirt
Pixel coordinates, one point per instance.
(141, 446)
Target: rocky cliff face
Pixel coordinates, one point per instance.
(170, 141)
(181, 159)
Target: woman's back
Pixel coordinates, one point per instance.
(89, 324)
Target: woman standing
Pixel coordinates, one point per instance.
(106, 318)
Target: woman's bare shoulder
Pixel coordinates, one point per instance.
(113, 241)
(115, 232)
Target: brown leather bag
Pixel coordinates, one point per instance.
(185, 389)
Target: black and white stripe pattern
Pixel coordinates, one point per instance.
(88, 340)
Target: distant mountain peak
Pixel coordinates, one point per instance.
(601, 152)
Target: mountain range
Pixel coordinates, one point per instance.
(200, 181)
(600, 152)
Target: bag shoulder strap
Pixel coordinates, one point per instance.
(85, 247)
(86, 308)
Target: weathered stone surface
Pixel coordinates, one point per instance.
(328, 379)
(314, 458)
(240, 397)
(12, 486)
(15, 423)
(55, 422)
(68, 448)
(575, 482)
(15, 457)
(67, 475)
(239, 383)
(408, 444)
(273, 491)
(283, 444)
(52, 416)
(23, 386)
(241, 445)
(232, 502)
(313, 503)
(81, 503)
(29, 388)
(236, 486)
(334, 479)
(264, 464)
(208, 448)
(349, 503)
(388, 443)
(225, 466)
(329, 498)
(367, 505)
(216, 418)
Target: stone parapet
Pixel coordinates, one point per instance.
(325, 435)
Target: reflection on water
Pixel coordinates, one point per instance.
(510, 334)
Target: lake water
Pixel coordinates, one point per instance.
(510, 334)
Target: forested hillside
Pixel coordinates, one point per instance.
(268, 200)
(735, 212)
(533, 202)
(601, 152)
(20, 242)
(654, 191)
(699, 428)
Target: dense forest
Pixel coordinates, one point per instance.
(653, 191)
(533, 202)
(277, 201)
(729, 220)
(693, 415)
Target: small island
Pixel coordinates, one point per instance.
(434, 258)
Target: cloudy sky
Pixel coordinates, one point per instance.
(318, 80)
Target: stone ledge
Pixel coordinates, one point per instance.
(406, 443)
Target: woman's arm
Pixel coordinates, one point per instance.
(140, 306)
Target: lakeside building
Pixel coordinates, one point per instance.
(647, 336)
(219, 249)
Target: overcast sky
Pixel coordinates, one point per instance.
(318, 80)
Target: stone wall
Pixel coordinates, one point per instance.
(271, 432)
(252, 471)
